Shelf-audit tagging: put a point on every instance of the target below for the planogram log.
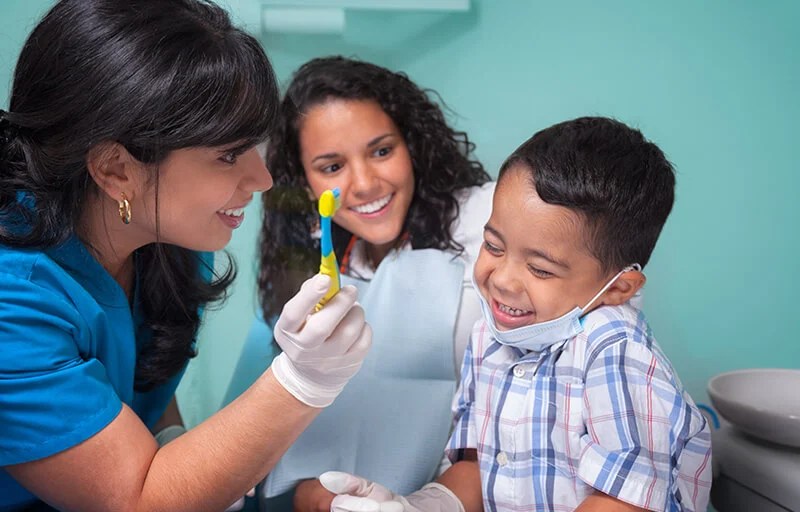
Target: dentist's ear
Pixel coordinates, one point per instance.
(114, 170)
(627, 284)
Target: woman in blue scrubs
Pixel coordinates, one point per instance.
(414, 203)
(126, 158)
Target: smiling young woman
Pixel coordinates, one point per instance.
(413, 205)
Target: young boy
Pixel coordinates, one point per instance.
(566, 400)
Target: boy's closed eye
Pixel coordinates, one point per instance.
(491, 248)
(540, 273)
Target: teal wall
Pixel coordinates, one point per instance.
(713, 83)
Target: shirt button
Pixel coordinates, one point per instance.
(519, 371)
(502, 458)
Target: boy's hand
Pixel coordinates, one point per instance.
(311, 496)
(356, 494)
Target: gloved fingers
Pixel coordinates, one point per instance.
(322, 324)
(319, 329)
(301, 305)
(348, 332)
(339, 482)
(342, 483)
(362, 344)
(350, 362)
(392, 506)
(251, 493)
(345, 503)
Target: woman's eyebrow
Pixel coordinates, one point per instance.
(324, 156)
(378, 139)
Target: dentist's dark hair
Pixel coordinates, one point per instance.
(154, 76)
(442, 158)
(620, 182)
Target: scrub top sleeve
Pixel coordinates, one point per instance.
(50, 397)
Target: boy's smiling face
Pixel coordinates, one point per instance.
(534, 264)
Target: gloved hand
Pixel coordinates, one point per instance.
(321, 351)
(171, 433)
(356, 494)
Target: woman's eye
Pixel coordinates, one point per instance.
(539, 272)
(383, 151)
(331, 168)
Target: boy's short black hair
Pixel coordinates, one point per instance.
(620, 182)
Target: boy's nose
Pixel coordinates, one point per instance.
(505, 279)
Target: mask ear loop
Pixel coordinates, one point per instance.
(634, 266)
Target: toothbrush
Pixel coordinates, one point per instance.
(329, 202)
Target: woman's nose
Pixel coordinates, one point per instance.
(364, 181)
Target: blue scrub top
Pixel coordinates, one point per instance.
(68, 345)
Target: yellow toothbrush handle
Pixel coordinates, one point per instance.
(329, 268)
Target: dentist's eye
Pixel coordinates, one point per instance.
(229, 157)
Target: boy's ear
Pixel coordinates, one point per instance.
(114, 170)
(625, 287)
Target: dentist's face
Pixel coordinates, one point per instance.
(202, 193)
(355, 145)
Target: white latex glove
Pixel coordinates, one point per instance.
(171, 433)
(321, 351)
(356, 494)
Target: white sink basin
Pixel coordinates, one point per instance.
(764, 403)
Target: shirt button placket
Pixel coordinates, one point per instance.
(502, 459)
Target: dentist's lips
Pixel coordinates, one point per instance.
(232, 217)
(508, 318)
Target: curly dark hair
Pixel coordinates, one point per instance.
(441, 159)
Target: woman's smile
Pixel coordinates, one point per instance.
(374, 208)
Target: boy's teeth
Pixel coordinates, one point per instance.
(374, 206)
(233, 212)
(512, 311)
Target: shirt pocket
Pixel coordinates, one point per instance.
(557, 423)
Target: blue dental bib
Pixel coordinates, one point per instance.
(392, 421)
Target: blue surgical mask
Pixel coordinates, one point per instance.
(538, 337)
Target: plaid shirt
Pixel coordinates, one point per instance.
(603, 410)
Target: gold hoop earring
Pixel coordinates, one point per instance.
(125, 210)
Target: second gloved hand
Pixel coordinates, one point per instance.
(356, 494)
(321, 351)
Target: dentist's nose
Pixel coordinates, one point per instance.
(257, 177)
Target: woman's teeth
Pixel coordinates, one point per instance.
(511, 311)
(233, 212)
(374, 206)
